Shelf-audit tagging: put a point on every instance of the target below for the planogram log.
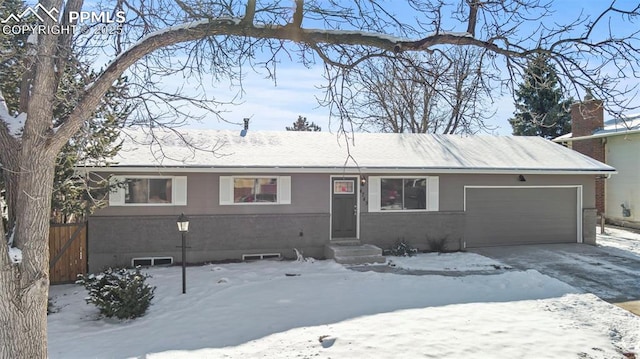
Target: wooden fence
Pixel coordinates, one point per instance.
(67, 252)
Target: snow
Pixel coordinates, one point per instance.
(457, 34)
(450, 262)
(366, 151)
(618, 126)
(14, 124)
(15, 254)
(624, 125)
(624, 241)
(256, 310)
(33, 38)
(371, 35)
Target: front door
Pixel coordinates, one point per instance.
(344, 207)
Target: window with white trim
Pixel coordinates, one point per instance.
(403, 193)
(255, 190)
(148, 191)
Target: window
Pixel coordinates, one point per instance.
(247, 190)
(403, 193)
(399, 193)
(148, 191)
(343, 187)
(255, 190)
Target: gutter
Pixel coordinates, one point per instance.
(597, 135)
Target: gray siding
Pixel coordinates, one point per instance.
(415, 228)
(589, 221)
(452, 186)
(309, 194)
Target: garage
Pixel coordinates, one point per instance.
(498, 216)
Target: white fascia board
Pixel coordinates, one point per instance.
(347, 170)
(596, 135)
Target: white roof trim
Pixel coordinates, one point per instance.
(337, 170)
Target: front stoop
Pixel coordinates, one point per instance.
(354, 253)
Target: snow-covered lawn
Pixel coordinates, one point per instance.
(322, 309)
(615, 237)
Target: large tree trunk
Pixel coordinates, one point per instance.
(24, 287)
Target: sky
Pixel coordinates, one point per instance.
(274, 105)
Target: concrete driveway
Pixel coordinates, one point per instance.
(610, 273)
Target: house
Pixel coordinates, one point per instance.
(269, 192)
(617, 143)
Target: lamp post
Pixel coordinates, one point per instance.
(183, 227)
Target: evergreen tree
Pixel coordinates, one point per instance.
(301, 124)
(541, 109)
(74, 196)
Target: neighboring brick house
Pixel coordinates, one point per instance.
(616, 143)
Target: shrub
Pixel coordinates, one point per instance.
(51, 307)
(402, 249)
(119, 293)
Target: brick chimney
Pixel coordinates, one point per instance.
(587, 117)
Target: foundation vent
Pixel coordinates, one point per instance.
(151, 261)
(259, 256)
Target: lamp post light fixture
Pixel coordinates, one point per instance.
(183, 227)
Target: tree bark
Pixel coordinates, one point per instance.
(24, 287)
(9, 161)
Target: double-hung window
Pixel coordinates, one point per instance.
(403, 193)
(255, 190)
(148, 190)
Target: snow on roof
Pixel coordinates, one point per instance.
(617, 126)
(623, 125)
(315, 150)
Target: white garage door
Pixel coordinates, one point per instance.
(525, 215)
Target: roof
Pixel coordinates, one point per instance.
(615, 127)
(364, 152)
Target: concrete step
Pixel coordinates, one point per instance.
(360, 259)
(354, 254)
(360, 250)
(346, 242)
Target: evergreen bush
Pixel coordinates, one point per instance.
(119, 293)
(402, 249)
